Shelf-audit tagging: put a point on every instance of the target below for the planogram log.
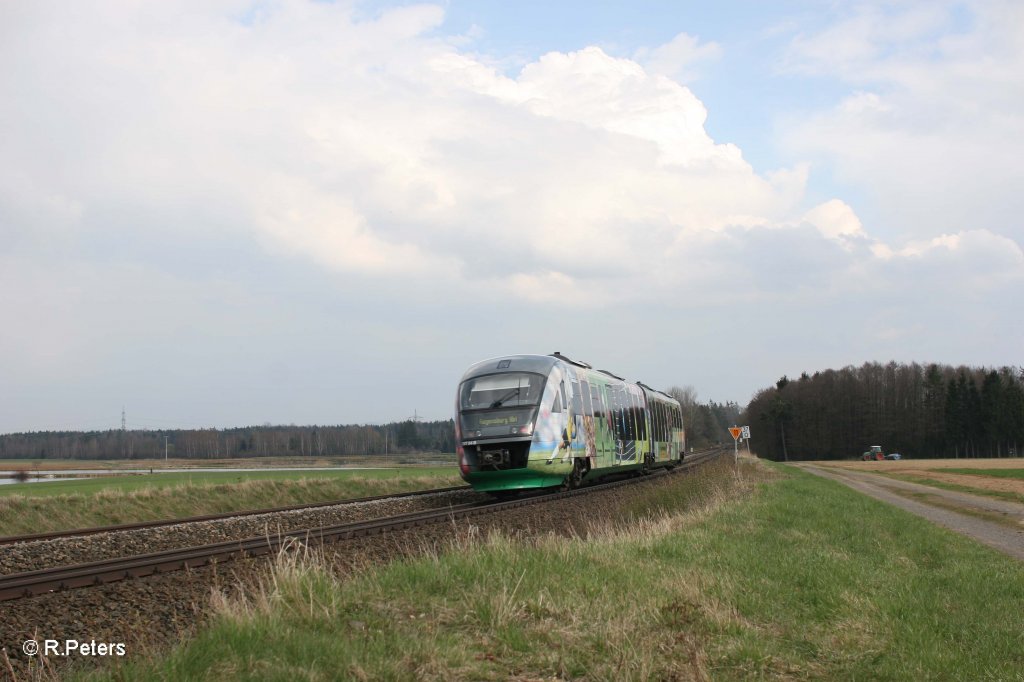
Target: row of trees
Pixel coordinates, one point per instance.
(706, 423)
(252, 441)
(922, 411)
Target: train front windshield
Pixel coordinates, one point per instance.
(499, 404)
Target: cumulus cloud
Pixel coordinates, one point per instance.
(835, 219)
(368, 146)
(933, 125)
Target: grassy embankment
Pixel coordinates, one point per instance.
(791, 576)
(58, 505)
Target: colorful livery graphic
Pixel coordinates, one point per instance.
(534, 421)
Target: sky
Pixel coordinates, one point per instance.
(218, 214)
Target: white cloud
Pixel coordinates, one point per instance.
(933, 128)
(678, 57)
(835, 219)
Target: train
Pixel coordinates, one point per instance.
(544, 421)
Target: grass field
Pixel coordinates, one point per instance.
(996, 473)
(171, 479)
(783, 576)
(8, 465)
(60, 505)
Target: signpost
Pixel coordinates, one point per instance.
(736, 433)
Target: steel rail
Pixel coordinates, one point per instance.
(93, 530)
(31, 583)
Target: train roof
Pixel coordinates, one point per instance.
(542, 364)
(655, 393)
(539, 364)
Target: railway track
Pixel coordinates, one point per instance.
(77, 532)
(31, 583)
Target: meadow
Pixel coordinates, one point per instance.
(104, 500)
(777, 574)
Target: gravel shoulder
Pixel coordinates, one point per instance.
(996, 523)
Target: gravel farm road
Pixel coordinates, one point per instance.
(996, 523)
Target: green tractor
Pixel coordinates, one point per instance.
(875, 453)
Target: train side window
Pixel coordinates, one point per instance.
(640, 414)
(557, 405)
(615, 408)
(625, 422)
(577, 399)
(641, 417)
(608, 400)
(627, 414)
(635, 416)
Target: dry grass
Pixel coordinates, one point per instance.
(908, 465)
(932, 470)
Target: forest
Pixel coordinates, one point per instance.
(920, 411)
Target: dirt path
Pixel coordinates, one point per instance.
(996, 523)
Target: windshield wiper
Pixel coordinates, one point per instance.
(499, 401)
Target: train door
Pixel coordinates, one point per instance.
(618, 409)
(576, 417)
(604, 435)
(587, 421)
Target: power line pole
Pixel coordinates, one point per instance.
(123, 424)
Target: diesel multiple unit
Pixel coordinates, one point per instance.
(535, 421)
